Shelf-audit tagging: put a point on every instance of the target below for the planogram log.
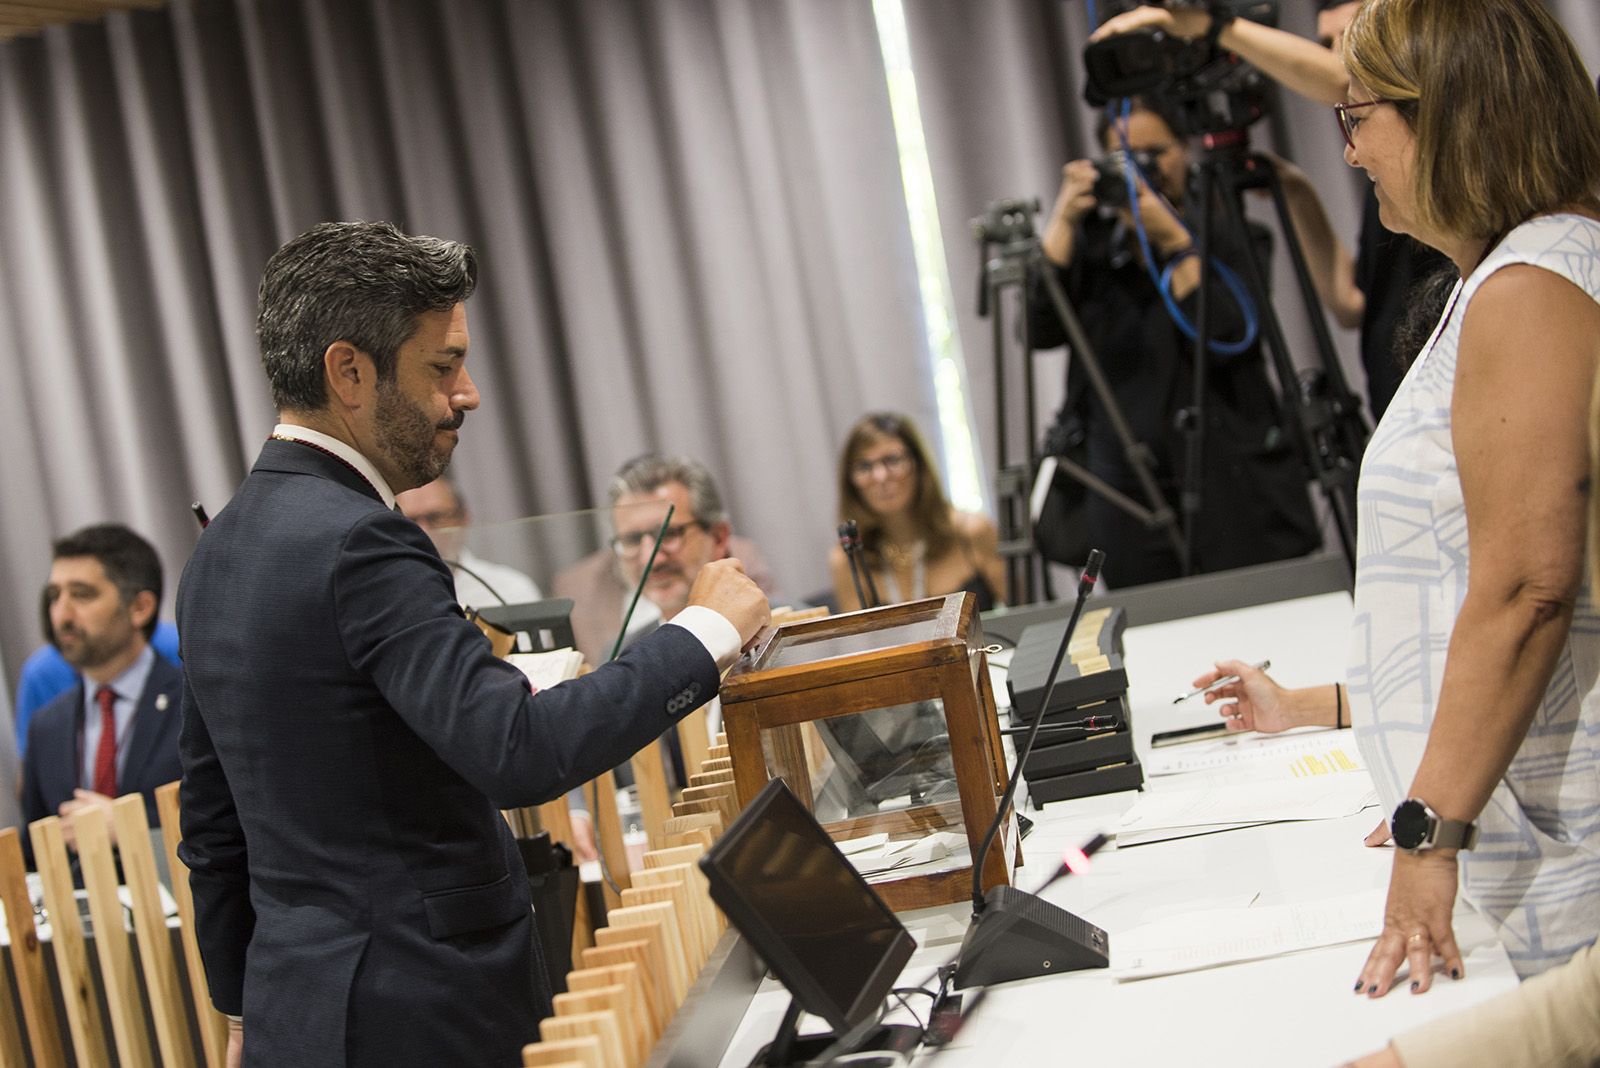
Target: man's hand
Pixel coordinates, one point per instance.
(723, 587)
(235, 1043)
(1416, 923)
(1181, 22)
(80, 801)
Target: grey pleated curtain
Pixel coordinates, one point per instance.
(689, 214)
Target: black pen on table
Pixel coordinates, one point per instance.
(1226, 680)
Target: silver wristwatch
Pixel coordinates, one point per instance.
(1416, 827)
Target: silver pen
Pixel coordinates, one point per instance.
(1226, 680)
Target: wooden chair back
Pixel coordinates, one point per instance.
(28, 963)
(213, 1025)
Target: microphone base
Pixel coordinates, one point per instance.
(1020, 936)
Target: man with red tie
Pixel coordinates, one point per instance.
(116, 731)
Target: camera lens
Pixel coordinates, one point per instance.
(1110, 186)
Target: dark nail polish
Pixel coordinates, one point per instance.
(1414, 986)
(1455, 973)
(1373, 989)
(1358, 986)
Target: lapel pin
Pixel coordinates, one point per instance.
(161, 702)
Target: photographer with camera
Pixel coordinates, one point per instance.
(1380, 287)
(1254, 506)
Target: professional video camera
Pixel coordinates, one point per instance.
(1204, 88)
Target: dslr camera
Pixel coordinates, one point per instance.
(1111, 182)
(1205, 88)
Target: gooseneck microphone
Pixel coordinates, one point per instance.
(481, 581)
(850, 542)
(1013, 934)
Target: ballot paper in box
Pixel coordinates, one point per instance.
(884, 725)
(1068, 763)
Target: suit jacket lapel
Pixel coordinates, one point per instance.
(156, 705)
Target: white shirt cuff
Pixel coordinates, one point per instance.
(712, 630)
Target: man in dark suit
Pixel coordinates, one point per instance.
(348, 736)
(115, 731)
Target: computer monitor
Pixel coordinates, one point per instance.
(822, 930)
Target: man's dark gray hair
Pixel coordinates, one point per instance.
(361, 282)
(648, 473)
(129, 561)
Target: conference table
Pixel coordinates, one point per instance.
(1286, 1010)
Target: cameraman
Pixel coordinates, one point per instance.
(1378, 289)
(1254, 503)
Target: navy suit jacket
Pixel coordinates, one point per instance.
(348, 740)
(52, 764)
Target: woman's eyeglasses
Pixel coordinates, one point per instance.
(894, 465)
(1349, 122)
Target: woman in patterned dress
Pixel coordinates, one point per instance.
(1474, 653)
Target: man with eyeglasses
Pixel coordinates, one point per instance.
(440, 509)
(699, 532)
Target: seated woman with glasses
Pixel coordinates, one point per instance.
(913, 542)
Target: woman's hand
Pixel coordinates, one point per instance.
(1416, 923)
(1254, 703)
(1074, 200)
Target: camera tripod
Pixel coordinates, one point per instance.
(1012, 254)
(1322, 416)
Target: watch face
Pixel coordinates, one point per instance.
(1409, 824)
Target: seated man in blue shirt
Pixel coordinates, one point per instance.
(115, 730)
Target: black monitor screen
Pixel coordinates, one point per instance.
(825, 933)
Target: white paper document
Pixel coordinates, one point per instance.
(544, 670)
(1177, 812)
(1296, 755)
(1227, 936)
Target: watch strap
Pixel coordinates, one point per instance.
(1222, 17)
(1452, 834)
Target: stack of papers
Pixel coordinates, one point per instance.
(876, 855)
(1227, 936)
(1186, 811)
(1296, 755)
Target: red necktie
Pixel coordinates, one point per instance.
(105, 755)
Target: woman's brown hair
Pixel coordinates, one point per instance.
(1506, 118)
(929, 507)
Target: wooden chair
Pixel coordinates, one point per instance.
(616, 1000)
(120, 979)
(601, 1025)
(581, 1052)
(78, 991)
(27, 961)
(213, 1025)
(643, 955)
(165, 992)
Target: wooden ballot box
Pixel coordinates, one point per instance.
(883, 723)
